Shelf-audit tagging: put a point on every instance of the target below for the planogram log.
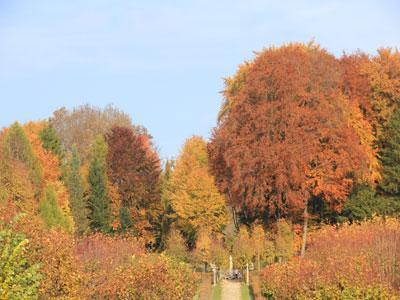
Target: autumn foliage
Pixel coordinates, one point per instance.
(51, 260)
(191, 190)
(306, 144)
(119, 268)
(133, 168)
(287, 136)
(359, 261)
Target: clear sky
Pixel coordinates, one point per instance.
(162, 61)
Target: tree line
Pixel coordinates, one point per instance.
(303, 139)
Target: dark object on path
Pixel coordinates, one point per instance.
(234, 275)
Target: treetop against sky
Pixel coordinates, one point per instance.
(162, 62)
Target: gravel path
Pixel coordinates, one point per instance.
(230, 290)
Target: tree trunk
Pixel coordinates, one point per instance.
(247, 274)
(235, 220)
(305, 229)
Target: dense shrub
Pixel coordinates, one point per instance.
(150, 277)
(344, 290)
(99, 252)
(355, 262)
(118, 268)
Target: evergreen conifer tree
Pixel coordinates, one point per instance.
(51, 212)
(50, 141)
(390, 156)
(99, 201)
(125, 218)
(77, 200)
(17, 146)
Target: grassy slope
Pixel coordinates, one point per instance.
(246, 292)
(216, 292)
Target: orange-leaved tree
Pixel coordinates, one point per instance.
(287, 138)
(50, 165)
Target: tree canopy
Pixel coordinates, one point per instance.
(133, 168)
(191, 190)
(287, 137)
(80, 126)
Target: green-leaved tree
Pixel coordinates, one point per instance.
(50, 211)
(17, 146)
(99, 200)
(390, 156)
(50, 140)
(77, 201)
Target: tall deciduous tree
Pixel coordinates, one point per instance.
(356, 87)
(287, 137)
(383, 74)
(134, 169)
(15, 184)
(192, 192)
(77, 201)
(233, 86)
(99, 201)
(80, 126)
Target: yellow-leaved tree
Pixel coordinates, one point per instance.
(193, 195)
(383, 73)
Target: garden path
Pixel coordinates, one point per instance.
(230, 290)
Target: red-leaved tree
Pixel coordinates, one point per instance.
(134, 169)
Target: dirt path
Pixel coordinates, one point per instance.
(230, 290)
(205, 287)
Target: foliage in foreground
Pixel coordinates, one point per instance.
(19, 279)
(353, 262)
(151, 277)
(118, 268)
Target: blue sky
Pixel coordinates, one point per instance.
(162, 61)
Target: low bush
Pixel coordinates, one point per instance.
(149, 277)
(118, 268)
(353, 262)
